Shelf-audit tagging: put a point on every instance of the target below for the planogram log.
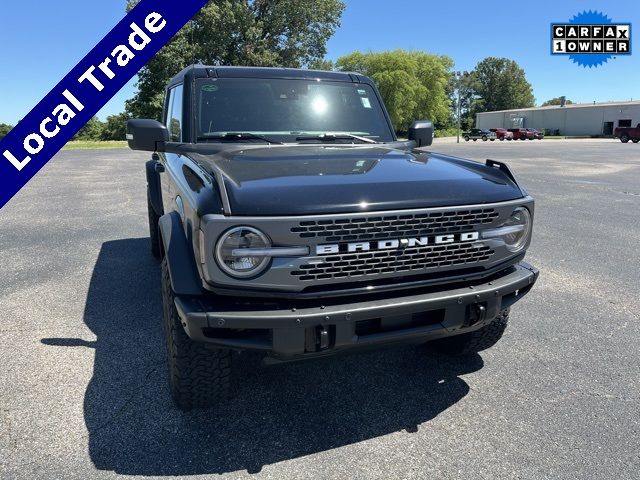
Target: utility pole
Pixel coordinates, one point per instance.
(458, 82)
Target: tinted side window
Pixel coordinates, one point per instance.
(167, 107)
(174, 118)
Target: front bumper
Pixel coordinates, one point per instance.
(290, 331)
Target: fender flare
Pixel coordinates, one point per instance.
(153, 184)
(183, 272)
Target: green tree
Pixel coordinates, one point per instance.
(556, 101)
(115, 127)
(4, 130)
(469, 100)
(414, 85)
(322, 64)
(501, 85)
(284, 33)
(92, 131)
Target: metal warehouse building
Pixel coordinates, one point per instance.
(576, 119)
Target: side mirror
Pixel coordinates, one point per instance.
(147, 135)
(421, 132)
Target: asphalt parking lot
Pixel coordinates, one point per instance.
(83, 391)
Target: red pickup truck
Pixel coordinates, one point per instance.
(521, 134)
(502, 133)
(628, 133)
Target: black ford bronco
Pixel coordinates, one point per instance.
(290, 220)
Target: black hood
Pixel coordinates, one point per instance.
(317, 179)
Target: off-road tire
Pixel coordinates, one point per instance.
(476, 341)
(154, 231)
(624, 138)
(199, 374)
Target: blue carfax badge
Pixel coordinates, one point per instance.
(591, 39)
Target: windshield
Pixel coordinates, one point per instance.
(289, 111)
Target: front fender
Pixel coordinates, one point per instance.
(153, 184)
(183, 272)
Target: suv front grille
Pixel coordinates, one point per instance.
(394, 226)
(393, 249)
(412, 260)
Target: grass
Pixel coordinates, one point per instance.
(91, 145)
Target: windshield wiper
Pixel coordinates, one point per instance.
(335, 136)
(239, 136)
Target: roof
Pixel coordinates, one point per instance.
(204, 71)
(572, 105)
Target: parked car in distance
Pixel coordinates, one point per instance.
(479, 133)
(502, 134)
(628, 133)
(521, 134)
(537, 134)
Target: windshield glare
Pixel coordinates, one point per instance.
(287, 109)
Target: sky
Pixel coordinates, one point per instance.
(41, 40)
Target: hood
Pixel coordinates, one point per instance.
(321, 179)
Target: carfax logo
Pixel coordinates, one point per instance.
(590, 39)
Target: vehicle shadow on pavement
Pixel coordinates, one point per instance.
(277, 413)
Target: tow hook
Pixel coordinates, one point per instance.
(481, 313)
(322, 337)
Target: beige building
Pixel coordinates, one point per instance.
(576, 119)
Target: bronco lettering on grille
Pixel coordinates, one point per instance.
(396, 243)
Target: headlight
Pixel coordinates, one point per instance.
(241, 264)
(515, 231)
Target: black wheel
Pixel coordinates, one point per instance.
(635, 140)
(509, 139)
(523, 138)
(199, 374)
(476, 341)
(502, 139)
(154, 231)
(466, 138)
(475, 139)
(624, 138)
(492, 139)
(484, 138)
